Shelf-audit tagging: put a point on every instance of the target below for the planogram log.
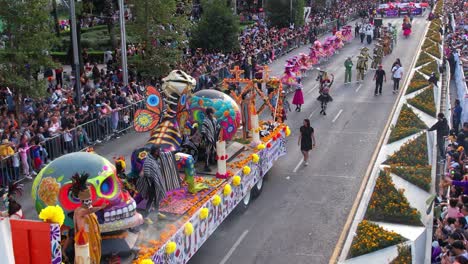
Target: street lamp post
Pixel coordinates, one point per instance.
(290, 12)
(76, 58)
(123, 42)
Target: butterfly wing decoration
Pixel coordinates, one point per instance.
(146, 119)
(183, 101)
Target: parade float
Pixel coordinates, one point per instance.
(392, 9)
(196, 201)
(200, 200)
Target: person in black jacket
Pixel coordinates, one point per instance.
(442, 129)
(462, 137)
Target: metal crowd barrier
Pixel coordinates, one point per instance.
(107, 127)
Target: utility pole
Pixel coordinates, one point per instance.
(76, 58)
(123, 42)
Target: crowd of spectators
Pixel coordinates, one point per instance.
(451, 211)
(108, 105)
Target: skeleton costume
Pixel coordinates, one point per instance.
(85, 220)
(366, 57)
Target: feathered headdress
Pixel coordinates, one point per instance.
(79, 183)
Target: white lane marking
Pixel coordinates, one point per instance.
(297, 166)
(337, 115)
(313, 89)
(313, 112)
(233, 248)
(359, 87)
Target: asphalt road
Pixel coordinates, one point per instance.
(301, 211)
(300, 214)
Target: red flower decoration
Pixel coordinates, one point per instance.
(269, 145)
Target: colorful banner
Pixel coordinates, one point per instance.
(187, 245)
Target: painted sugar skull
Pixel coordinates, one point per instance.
(52, 186)
(227, 111)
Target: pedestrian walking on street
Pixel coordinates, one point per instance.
(348, 69)
(397, 74)
(369, 33)
(298, 99)
(456, 116)
(379, 78)
(306, 140)
(442, 129)
(362, 33)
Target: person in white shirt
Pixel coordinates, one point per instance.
(397, 74)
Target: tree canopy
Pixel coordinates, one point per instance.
(162, 32)
(218, 29)
(279, 12)
(29, 31)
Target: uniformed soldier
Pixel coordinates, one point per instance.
(361, 68)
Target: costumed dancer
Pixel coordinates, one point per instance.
(319, 50)
(288, 78)
(330, 51)
(406, 26)
(209, 131)
(85, 222)
(298, 99)
(361, 68)
(304, 64)
(378, 54)
(313, 58)
(348, 70)
(325, 85)
(366, 56)
(150, 183)
(127, 183)
(339, 40)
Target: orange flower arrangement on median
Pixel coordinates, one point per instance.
(371, 237)
(417, 82)
(408, 123)
(413, 153)
(425, 101)
(404, 255)
(388, 204)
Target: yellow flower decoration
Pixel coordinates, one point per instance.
(49, 189)
(216, 200)
(246, 170)
(142, 155)
(261, 146)
(204, 212)
(255, 158)
(227, 190)
(146, 261)
(171, 247)
(52, 214)
(188, 229)
(236, 180)
(288, 131)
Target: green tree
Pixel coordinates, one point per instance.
(279, 12)
(162, 33)
(218, 29)
(29, 29)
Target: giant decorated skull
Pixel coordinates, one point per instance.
(53, 183)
